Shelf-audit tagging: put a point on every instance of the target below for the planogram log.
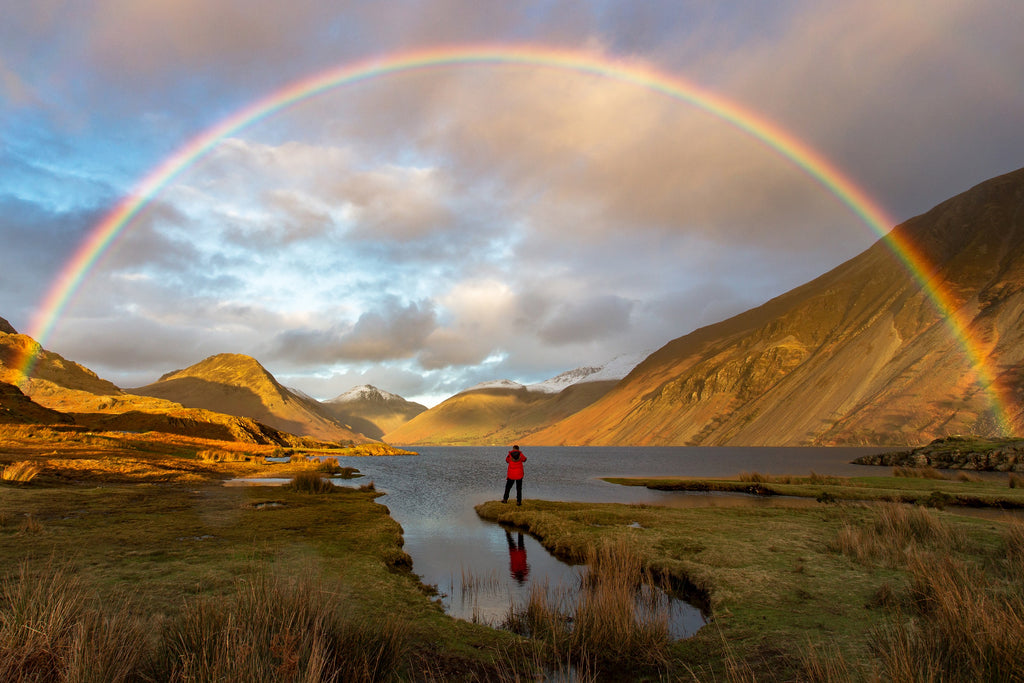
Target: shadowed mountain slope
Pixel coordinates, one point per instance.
(17, 408)
(370, 411)
(859, 355)
(235, 384)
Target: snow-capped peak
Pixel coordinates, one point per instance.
(496, 384)
(615, 369)
(364, 392)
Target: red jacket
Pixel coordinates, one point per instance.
(515, 466)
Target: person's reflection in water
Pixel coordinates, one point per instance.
(517, 565)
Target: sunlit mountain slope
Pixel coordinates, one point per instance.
(860, 355)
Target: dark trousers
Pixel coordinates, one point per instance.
(519, 489)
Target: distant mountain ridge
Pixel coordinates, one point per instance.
(372, 411)
(502, 411)
(857, 356)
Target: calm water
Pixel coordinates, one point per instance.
(479, 567)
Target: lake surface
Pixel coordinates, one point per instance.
(479, 568)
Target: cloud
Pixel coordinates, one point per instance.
(587, 320)
(390, 331)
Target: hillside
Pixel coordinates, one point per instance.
(371, 411)
(60, 391)
(495, 415)
(857, 356)
(238, 385)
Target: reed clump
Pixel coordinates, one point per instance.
(20, 472)
(964, 624)
(311, 482)
(52, 629)
(618, 620)
(223, 456)
(277, 628)
(896, 530)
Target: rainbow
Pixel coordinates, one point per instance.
(785, 143)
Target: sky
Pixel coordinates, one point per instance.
(426, 230)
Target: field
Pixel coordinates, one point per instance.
(124, 558)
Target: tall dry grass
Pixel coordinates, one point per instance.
(958, 619)
(280, 629)
(619, 618)
(21, 472)
(964, 625)
(896, 531)
(51, 629)
(311, 482)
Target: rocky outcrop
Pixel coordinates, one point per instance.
(956, 453)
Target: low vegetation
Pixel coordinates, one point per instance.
(20, 472)
(841, 592)
(925, 486)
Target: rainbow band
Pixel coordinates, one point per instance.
(808, 159)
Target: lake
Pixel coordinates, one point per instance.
(479, 567)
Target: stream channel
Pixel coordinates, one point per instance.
(479, 567)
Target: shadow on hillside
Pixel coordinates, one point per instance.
(193, 392)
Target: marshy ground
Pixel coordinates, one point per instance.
(123, 557)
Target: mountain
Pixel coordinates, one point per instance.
(60, 391)
(502, 411)
(235, 384)
(857, 356)
(6, 327)
(371, 411)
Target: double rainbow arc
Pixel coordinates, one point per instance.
(815, 165)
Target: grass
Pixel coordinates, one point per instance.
(618, 622)
(795, 594)
(311, 482)
(169, 575)
(20, 472)
(922, 488)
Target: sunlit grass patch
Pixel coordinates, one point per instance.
(21, 472)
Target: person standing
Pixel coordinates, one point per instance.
(515, 460)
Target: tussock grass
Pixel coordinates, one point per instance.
(918, 473)
(51, 629)
(895, 532)
(271, 628)
(311, 482)
(328, 466)
(1016, 481)
(619, 618)
(964, 625)
(278, 628)
(20, 472)
(223, 456)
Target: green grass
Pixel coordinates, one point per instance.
(789, 597)
(166, 555)
(966, 491)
